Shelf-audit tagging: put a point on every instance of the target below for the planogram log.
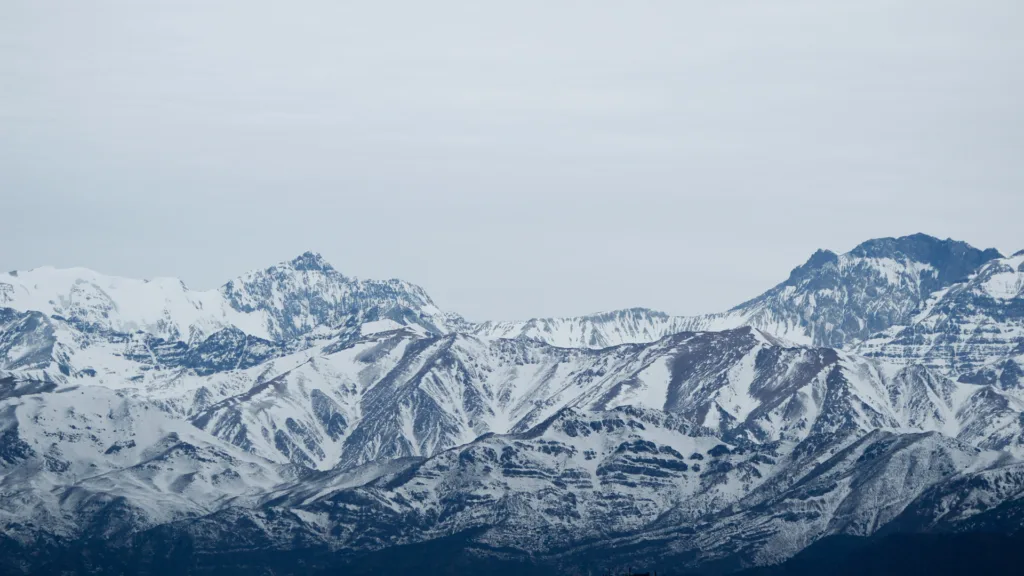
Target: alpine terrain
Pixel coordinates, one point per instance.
(298, 420)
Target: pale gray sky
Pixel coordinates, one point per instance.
(528, 159)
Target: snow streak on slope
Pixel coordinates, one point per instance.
(88, 457)
(622, 485)
(965, 326)
(348, 401)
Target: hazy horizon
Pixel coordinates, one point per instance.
(516, 161)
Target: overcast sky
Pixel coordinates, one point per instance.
(532, 159)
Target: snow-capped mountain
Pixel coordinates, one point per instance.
(281, 302)
(299, 413)
(831, 300)
(837, 300)
(296, 297)
(402, 397)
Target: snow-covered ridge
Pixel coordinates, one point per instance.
(832, 300)
(283, 301)
(877, 297)
(163, 306)
(629, 326)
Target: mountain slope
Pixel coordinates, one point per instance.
(605, 489)
(75, 459)
(964, 326)
(350, 400)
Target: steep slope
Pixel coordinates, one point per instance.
(573, 477)
(964, 326)
(350, 400)
(28, 341)
(296, 297)
(88, 458)
(35, 346)
(1006, 372)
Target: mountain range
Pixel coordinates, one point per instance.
(296, 420)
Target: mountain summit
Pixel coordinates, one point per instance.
(839, 300)
(952, 260)
(293, 298)
(279, 303)
(310, 261)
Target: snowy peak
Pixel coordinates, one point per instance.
(831, 300)
(295, 297)
(839, 300)
(279, 303)
(950, 260)
(817, 261)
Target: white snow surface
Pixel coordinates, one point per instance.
(162, 306)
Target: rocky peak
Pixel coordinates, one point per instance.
(310, 261)
(837, 300)
(817, 261)
(293, 298)
(952, 260)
